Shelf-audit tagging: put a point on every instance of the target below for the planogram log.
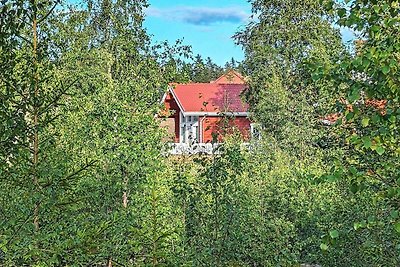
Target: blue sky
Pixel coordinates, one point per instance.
(206, 25)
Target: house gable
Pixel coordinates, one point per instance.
(231, 77)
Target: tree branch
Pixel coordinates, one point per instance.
(58, 97)
(48, 13)
(72, 175)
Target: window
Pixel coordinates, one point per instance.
(189, 129)
(183, 134)
(255, 131)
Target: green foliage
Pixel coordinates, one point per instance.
(289, 100)
(84, 182)
(371, 74)
(93, 84)
(282, 95)
(205, 70)
(368, 81)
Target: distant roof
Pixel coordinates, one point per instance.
(222, 95)
(379, 105)
(231, 77)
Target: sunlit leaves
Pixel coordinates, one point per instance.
(334, 234)
(106, 116)
(372, 94)
(367, 142)
(365, 121)
(397, 227)
(359, 225)
(394, 214)
(380, 150)
(385, 69)
(324, 246)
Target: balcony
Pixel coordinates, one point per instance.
(198, 148)
(192, 149)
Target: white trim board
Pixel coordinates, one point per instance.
(170, 89)
(219, 114)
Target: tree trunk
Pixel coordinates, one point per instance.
(35, 118)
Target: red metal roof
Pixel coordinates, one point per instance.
(210, 97)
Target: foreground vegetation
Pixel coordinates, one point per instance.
(84, 182)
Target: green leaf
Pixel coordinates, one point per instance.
(391, 192)
(353, 170)
(371, 219)
(331, 178)
(350, 116)
(375, 118)
(367, 142)
(354, 96)
(366, 62)
(354, 188)
(380, 150)
(365, 122)
(316, 76)
(324, 247)
(334, 234)
(339, 122)
(375, 28)
(358, 62)
(397, 227)
(341, 12)
(385, 69)
(359, 225)
(394, 214)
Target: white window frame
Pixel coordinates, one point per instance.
(190, 124)
(255, 127)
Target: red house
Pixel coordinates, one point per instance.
(206, 112)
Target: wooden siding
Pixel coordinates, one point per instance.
(172, 107)
(217, 127)
(169, 125)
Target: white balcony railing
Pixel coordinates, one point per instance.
(197, 148)
(190, 149)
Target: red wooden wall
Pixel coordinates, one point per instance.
(220, 127)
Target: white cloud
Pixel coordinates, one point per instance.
(200, 15)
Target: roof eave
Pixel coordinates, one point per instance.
(219, 114)
(171, 90)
